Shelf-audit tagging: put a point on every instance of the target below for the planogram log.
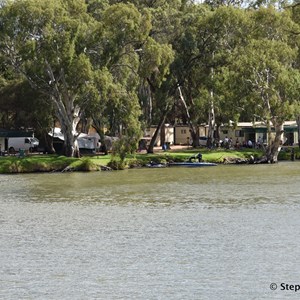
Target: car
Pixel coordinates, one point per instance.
(203, 141)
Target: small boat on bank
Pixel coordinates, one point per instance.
(156, 165)
(192, 164)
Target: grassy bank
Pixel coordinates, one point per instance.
(54, 163)
(48, 163)
(215, 156)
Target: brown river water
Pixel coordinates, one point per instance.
(225, 232)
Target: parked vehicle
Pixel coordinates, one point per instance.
(25, 143)
(203, 141)
(87, 143)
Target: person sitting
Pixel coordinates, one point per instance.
(196, 156)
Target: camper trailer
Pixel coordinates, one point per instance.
(14, 144)
(87, 143)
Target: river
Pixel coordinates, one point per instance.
(225, 232)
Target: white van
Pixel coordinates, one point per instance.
(27, 143)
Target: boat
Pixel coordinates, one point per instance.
(192, 164)
(156, 165)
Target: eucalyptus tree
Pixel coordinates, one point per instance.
(190, 66)
(229, 30)
(24, 108)
(84, 60)
(139, 49)
(124, 48)
(15, 95)
(154, 54)
(294, 10)
(203, 52)
(217, 3)
(109, 50)
(265, 73)
(157, 85)
(45, 42)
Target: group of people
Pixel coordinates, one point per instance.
(228, 143)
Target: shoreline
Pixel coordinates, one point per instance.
(35, 163)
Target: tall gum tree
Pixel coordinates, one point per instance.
(122, 33)
(157, 87)
(207, 42)
(44, 41)
(266, 76)
(294, 9)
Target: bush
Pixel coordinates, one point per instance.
(117, 164)
(86, 165)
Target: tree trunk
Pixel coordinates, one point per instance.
(67, 112)
(194, 130)
(274, 145)
(211, 123)
(70, 145)
(47, 141)
(68, 117)
(298, 129)
(211, 113)
(195, 136)
(155, 135)
(97, 125)
(68, 127)
(217, 137)
(163, 134)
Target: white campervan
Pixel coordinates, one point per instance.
(26, 143)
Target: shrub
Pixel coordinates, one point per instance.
(86, 164)
(117, 164)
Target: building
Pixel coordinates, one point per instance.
(166, 134)
(240, 133)
(257, 132)
(182, 134)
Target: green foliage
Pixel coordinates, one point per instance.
(124, 146)
(121, 63)
(85, 164)
(23, 107)
(116, 164)
(34, 164)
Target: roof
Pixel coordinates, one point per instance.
(15, 133)
(261, 124)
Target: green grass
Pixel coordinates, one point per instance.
(36, 163)
(50, 163)
(55, 163)
(216, 156)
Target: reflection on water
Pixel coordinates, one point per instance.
(210, 233)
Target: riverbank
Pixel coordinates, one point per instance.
(55, 163)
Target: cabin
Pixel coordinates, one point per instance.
(166, 134)
(182, 134)
(240, 133)
(257, 132)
